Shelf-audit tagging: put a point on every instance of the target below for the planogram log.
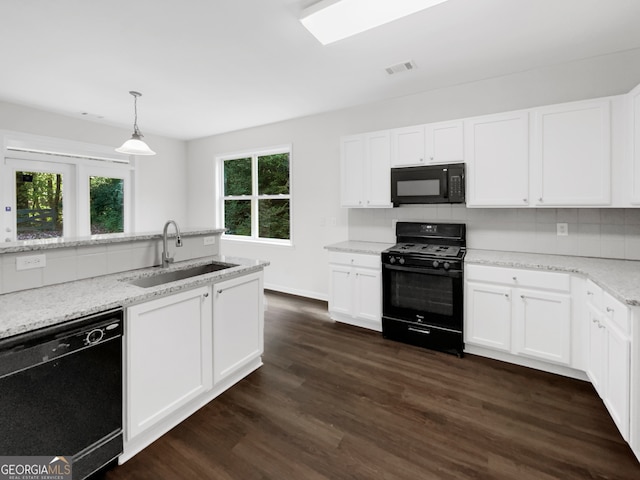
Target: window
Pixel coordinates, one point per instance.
(256, 195)
(53, 188)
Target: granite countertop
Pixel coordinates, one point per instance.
(621, 278)
(50, 243)
(41, 307)
(355, 246)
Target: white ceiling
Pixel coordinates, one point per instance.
(213, 66)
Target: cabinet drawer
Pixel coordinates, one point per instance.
(617, 313)
(516, 277)
(356, 259)
(594, 295)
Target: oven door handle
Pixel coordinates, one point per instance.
(425, 271)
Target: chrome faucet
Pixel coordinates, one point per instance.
(166, 259)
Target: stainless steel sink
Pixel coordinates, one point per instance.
(167, 277)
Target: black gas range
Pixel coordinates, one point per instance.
(422, 281)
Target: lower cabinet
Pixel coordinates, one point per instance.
(238, 324)
(184, 349)
(169, 356)
(355, 289)
(609, 354)
(509, 310)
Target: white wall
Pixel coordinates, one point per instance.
(161, 180)
(302, 269)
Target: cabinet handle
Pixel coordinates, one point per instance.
(506, 295)
(540, 200)
(524, 200)
(600, 325)
(595, 320)
(610, 310)
(220, 291)
(515, 279)
(422, 159)
(522, 297)
(431, 158)
(589, 293)
(206, 295)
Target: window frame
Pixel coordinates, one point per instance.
(77, 162)
(254, 197)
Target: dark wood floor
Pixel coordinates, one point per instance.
(339, 402)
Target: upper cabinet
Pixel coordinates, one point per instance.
(365, 170)
(432, 143)
(497, 149)
(572, 154)
(444, 142)
(407, 146)
(634, 109)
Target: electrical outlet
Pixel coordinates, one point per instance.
(562, 229)
(209, 240)
(31, 261)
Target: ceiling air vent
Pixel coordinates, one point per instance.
(401, 67)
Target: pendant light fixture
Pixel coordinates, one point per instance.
(135, 146)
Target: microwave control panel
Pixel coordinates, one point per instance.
(456, 188)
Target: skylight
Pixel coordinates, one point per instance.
(333, 20)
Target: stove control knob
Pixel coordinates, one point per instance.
(435, 264)
(401, 261)
(447, 265)
(392, 259)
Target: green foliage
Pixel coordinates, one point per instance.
(38, 205)
(106, 204)
(273, 179)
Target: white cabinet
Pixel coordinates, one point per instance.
(238, 324)
(609, 356)
(572, 154)
(365, 170)
(444, 142)
(489, 316)
(497, 151)
(168, 356)
(433, 143)
(542, 326)
(634, 110)
(522, 312)
(407, 146)
(355, 289)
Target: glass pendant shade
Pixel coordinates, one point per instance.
(135, 146)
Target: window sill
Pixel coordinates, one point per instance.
(257, 241)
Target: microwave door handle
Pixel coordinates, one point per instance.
(445, 182)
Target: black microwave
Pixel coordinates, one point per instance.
(428, 184)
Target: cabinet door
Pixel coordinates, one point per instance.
(368, 302)
(543, 325)
(168, 356)
(238, 324)
(497, 152)
(616, 396)
(444, 142)
(488, 316)
(597, 353)
(407, 146)
(573, 154)
(340, 289)
(634, 108)
(352, 171)
(378, 166)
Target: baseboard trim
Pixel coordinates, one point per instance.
(297, 292)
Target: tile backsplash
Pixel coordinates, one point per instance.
(610, 233)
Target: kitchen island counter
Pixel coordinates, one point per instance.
(42, 307)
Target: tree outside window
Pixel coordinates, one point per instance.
(257, 196)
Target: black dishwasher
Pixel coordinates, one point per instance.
(61, 392)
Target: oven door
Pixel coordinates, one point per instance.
(423, 296)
